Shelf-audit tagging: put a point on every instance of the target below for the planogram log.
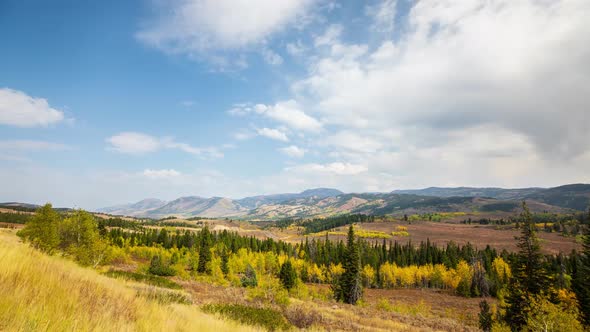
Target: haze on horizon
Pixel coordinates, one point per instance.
(112, 102)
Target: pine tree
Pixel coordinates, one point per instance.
(581, 279)
(485, 316)
(530, 277)
(287, 275)
(349, 288)
(204, 251)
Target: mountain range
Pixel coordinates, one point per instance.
(326, 202)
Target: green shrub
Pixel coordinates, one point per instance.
(160, 268)
(266, 318)
(144, 278)
(249, 278)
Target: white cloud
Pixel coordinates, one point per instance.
(20, 110)
(383, 15)
(522, 66)
(271, 57)
(295, 49)
(208, 27)
(293, 151)
(287, 112)
(330, 36)
(160, 173)
(350, 140)
(138, 143)
(275, 134)
(335, 168)
(134, 143)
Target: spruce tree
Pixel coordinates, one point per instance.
(287, 275)
(349, 288)
(485, 316)
(581, 279)
(530, 277)
(204, 251)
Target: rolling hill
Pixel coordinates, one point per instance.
(327, 202)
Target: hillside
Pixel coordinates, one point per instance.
(573, 196)
(41, 292)
(498, 193)
(134, 209)
(328, 202)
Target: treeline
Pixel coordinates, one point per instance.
(15, 218)
(140, 224)
(319, 225)
(190, 239)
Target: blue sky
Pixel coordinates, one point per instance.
(114, 101)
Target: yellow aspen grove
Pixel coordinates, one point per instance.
(368, 275)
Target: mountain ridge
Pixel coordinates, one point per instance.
(327, 201)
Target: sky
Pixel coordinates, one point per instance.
(109, 102)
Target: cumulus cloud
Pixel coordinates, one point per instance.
(160, 173)
(275, 134)
(134, 143)
(287, 112)
(498, 84)
(335, 168)
(383, 16)
(271, 57)
(21, 110)
(293, 151)
(329, 37)
(205, 26)
(527, 75)
(138, 143)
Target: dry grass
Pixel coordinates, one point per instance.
(442, 233)
(39, 292)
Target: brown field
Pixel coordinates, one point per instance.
(4, 210)
(499, 237)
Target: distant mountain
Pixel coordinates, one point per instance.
(572, 196)
(134, 209)
(198, 206)
(256, 201)
(498, 193)
(326, 202)
(19, 205)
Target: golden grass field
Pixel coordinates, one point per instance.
(43, 293)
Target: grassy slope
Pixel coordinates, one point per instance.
(39, 292)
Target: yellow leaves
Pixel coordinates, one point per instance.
(368, 275)
(548, 316)
(501, 269)
(315, 273)
(400, 231)
(567, 300)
